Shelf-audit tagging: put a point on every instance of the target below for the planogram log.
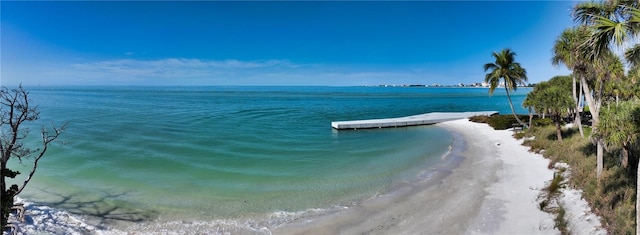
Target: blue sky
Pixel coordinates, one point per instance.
(273, 43)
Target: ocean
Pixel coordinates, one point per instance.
(235, 158)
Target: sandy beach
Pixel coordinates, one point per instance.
(487, 186)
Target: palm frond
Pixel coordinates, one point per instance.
(634, 20)
(632, 55)
(562, 49)
(488, 66)
(616, 30)
(586, 12)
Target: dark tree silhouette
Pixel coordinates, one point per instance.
(16, 110)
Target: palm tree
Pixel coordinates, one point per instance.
(507, 70)
(530, 103)
(567, 51)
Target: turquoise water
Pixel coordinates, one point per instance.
(227, 152)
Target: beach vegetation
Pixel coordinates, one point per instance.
(595, 51)
(542, 121)
(506, 71)
(620, 128)
(520, 135)
(551, 192)
(503, 122)
(550, 200)
(560, 222)
(480, 119)
(16, 111)
(616, 24)
(613, 24)
(612, 196)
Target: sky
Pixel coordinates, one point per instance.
(148, 43)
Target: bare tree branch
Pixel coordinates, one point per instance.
(46, 139)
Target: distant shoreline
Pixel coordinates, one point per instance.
(31, 86)
(439, 86)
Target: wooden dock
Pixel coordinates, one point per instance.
(421, 119)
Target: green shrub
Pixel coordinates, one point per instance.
(505, 121)
(535, 145)
(519, 135)
(561, 222)
(479, 119)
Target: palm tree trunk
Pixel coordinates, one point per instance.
(575, 98)
(578, 120)
(599, 157)
(595, 114)
(512, 109)
(573, 85)
(593, 109)
(556, 120)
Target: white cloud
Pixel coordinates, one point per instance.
(188, 71)
(171, 71)
(172, 66)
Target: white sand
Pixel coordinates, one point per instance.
(511, 205)
(491, 187)
(578, 212)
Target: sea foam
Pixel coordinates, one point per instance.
(46, 220)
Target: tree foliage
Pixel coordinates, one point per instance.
(613, 24)
(620, 127)
(552, 98)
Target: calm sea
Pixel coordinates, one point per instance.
(217, 153)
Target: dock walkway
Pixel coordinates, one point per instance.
(415, 120)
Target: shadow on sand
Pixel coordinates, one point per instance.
(101, 211)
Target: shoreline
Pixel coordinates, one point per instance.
(493, 190)
(398, 207)
(487, 183)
